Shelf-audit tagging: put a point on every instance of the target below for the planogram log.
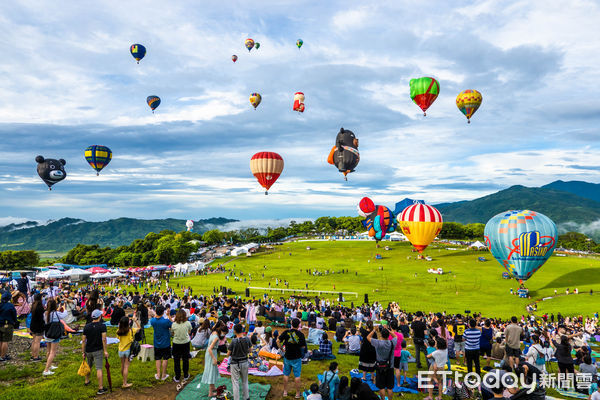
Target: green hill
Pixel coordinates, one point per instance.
(559, 205)
(66, 233)
(583, 189)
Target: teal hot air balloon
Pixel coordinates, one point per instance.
(521, 241)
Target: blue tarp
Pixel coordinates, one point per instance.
(401, 205)
(80, 266)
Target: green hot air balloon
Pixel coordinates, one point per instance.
(424, 91)
(256, 45)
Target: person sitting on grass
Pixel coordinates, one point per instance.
(325, 349)
(343, 390)
(314, 393)
(332, 379)
(352, 341)
(430, 349)
(439, 358)
(125, 335)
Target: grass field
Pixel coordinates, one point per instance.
(467, 284)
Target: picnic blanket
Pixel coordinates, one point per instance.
(411, 382)
(191, 391)
(109, 340)
(571, 393)
(274, 371)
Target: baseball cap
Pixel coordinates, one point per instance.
(96, 314)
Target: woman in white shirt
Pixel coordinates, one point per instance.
(52, 315)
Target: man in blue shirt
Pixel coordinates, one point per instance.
(472, 338)
(162, 342)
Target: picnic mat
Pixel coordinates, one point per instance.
(571, 393)
(192, 392)
(412, 382)
(274, 371)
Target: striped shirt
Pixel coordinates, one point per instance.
(472, 337)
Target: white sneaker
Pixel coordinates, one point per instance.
(157, 377)
(47, 373)
(53, 367)
(165, 377)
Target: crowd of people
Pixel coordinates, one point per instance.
(384, 339)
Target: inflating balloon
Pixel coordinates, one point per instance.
(256, 45)
(521, 241)
(424, 91)
(98, 157)
(249, 44)
(189, 225)
(379, 220)
(420, 223)
(51, 171)
(255, 99)
(153, 102)
(344, 155)
(298, 102)
(137, 51)
(468, 102)
(234, 58)
(266, 166)
(299, 43)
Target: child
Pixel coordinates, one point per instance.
(314, 393)
(430, 350)
(439, 357)
(404, 356)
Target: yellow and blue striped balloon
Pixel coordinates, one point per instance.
(98, 157)
(521, 241)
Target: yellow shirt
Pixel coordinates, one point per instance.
(125, 341)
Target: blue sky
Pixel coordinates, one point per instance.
(67, 81)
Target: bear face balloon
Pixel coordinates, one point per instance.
(51, 171)
(344, 155)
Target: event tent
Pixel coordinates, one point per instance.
(51, 274)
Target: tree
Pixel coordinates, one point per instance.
(213, 236)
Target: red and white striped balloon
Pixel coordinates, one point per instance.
(420, 223)
(266, 166)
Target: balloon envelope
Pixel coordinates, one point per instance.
(98, 157)
(266, 167)
(255, 99)
(521, 241)
(153, 102)
(424, 91)
(256, 45)
(299, 43)
(137, 51)
(249, 43)
(298, 102)
(234, 58)
(468, 102)
(420, 223)
(189, 224)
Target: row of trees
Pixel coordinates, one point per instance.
(18, 259)
(577, 241)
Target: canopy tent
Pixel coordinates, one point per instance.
(76, 272)
(51, 274)
(478, 245)
(118, 274)
(98, 270)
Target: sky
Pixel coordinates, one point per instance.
(67, 81)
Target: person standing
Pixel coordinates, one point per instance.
(8, 320)
(36, 327)
(418, 328)
(94, 348)
(367, 356)
(238, 360)
(181, 329)
(125, 334)
(485, 344)
(384, 349)
(472, 339)
(162, 343)
(211, 359)
(397, 350)
(512, 334)
(293, 342)
(23, 285)
(459, 342)
(52, 316)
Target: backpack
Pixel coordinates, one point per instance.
(324, 389)
(461, 391)
(134, 349)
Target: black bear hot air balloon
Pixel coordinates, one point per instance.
(344, 155)
(51, 171)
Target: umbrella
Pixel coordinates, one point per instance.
(108, 378)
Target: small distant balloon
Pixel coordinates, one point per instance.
(255, 99)
(249, 44)
(153, 102)
(189, 225)
(468, 102)
(256, 45)
(98, 157)
(234, 58)
(137, 51)
(299, 43)
(299, 102)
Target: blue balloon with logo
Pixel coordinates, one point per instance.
(521, 241)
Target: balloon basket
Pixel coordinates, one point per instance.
(97, 173)
(266, 192)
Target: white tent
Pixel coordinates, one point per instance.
(118, 274)
(478, 245)
(76, 272)
(51, 274)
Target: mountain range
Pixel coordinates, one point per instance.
(66, 233)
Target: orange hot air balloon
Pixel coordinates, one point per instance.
(420, 223)
(266, 166)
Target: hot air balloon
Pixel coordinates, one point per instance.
(379, 220)
(299, 43)
(249, 44)
(344, 155)
(521, 241)
(266, 166)
(420, 223)
(256, 45)
(298, 102)
(468, 102)
(189, 224)
(98, 157)
(424, 91)
(51, 171)
(137, 51)
(255, 99)
(153, 102)
(234, 58)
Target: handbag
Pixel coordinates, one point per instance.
(54, 330)
(84, 369)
